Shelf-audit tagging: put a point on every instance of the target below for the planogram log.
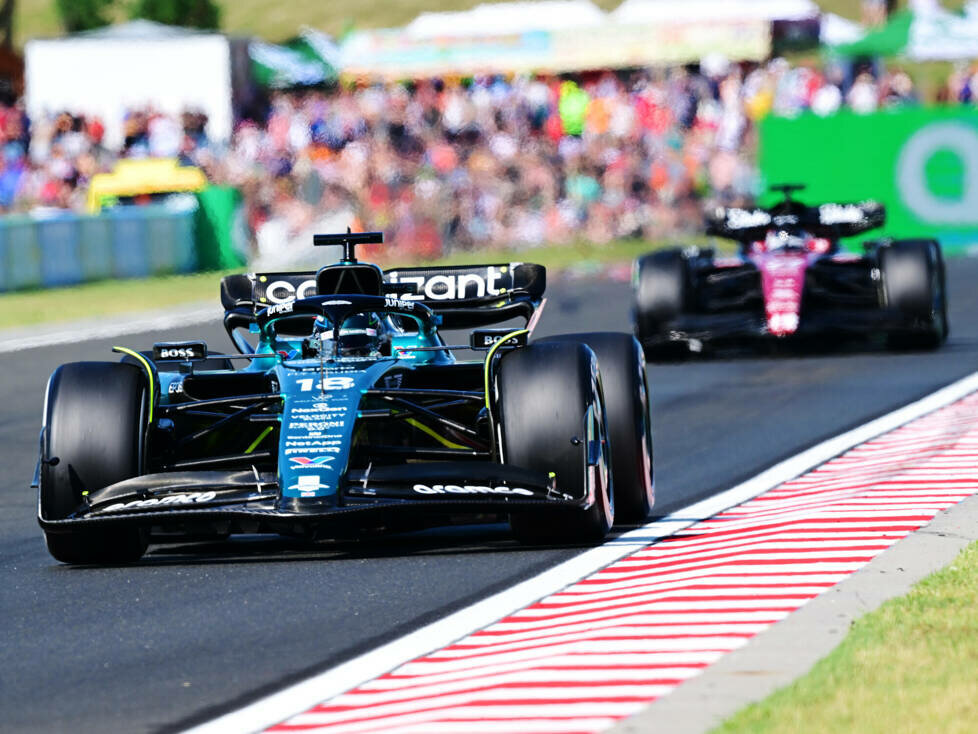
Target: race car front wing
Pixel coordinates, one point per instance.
(253, 499)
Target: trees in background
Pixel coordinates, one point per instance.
(85, 15)
(193, 13)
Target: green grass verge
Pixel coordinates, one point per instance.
(108, 298)
(104, 298)
(910, 666)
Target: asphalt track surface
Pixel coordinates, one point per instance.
(197, 629)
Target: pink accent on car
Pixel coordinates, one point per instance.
(783, 280)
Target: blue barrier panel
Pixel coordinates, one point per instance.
(23, 254)
(170, 241)
(4, 269)
(159, 244)
(95, 243)
(130, 251)
(185, 242)
(125, 242)
(58, 240)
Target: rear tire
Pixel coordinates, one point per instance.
(913, 283)
(552, 414)
(626, 395)
(95, 414)
(660, 297)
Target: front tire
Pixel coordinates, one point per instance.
(552, 414)
(94, 423)
(626, 395)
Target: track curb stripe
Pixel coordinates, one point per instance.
(440, 678)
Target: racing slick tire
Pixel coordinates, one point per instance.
(660, 297)
(913, 280)
(552, 415)
(626, 398)
(95, 416)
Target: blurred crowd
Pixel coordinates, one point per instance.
(477, 164)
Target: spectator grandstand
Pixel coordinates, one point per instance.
(454, 164)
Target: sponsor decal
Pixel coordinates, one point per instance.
(319, 408)
(170, 499)
(313, 450)
(916, 183)
(469, 489)
(317, 426)
(488, 341)
(281, 308)
(447, 287)
(330, 383)
(175, 353)
(306, 462)
(399, 303)
(394, 381)
(180, 350)
(484, 338)
(312, 443)
(840, 214)
(175, 387)
(308, 485)
(281, 291)
(747, 218)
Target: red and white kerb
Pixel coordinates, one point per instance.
(610, 644)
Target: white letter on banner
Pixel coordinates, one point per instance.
(960, 139)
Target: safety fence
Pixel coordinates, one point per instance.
(65, 248)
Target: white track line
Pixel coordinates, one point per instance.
(111, 328)
(300, 697)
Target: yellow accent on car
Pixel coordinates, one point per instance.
(261, 437)
(492, 352)
(149, 373)
(434, 434)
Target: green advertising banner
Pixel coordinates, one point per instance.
(922, 163)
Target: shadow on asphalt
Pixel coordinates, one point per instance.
(450, 541)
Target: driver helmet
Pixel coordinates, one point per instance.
(360, 336)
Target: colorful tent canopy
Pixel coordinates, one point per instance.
(309, 59)
(889, 40)
(507, 18)
(934, 34)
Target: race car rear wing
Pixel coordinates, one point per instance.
(464, 296)
(831, 220)
(468, 296)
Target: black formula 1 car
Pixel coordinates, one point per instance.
(344, 411)
(790, 280)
